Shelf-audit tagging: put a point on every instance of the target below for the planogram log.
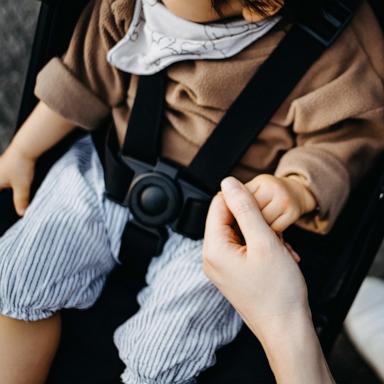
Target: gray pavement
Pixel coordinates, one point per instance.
(17, 20)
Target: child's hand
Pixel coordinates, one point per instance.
(281, 200)
(16, 172)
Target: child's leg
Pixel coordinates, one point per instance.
(182, 321)
(57, 256)
(27, 349)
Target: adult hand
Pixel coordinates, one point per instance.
(260, 278)
(258, 274)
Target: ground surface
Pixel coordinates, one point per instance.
(17, 20)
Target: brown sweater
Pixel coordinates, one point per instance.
(330, 130)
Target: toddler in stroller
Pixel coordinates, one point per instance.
(300, 169)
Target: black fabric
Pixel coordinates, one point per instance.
(119, 176)
(378, 8)
(8, 214)
(142, 140)
(192, 219)
(138, 246)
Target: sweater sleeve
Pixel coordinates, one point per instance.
(81, 85)
(339, 133)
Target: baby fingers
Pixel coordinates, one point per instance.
(280, 213)
(21, 192)
(283, 221)
(272, 212)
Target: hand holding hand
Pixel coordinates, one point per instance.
(16, 172)
(260, 278)
(282, 201)
(258, 275)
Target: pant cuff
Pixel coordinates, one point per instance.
(26, 314)
(129, 378)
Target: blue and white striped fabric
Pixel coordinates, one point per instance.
(59, 254)
(183, 319)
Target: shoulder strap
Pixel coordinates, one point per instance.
(142, 140)
(267, 90)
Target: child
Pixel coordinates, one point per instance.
(300, 169)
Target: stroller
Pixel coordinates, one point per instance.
(336, 267)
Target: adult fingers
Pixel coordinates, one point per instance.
(293, 253)
(245, 210)
(221, 243)
(4, 184)
(218, 227)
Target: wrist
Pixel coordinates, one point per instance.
(273, 331)
(21, 150)
(306, 198)
(293, 349)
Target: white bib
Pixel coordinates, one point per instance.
(158, 38)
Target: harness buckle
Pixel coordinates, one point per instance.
(158, 196)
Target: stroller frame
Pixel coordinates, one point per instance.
(343, 258)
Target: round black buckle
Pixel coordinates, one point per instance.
(154, 199)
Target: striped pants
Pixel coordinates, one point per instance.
(59, 254)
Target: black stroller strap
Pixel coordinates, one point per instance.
(117, 175)
(263, 95)
(142, 140)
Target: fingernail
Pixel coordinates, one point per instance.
(230, 184)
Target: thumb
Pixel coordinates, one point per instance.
(21, 194)
(246, 211)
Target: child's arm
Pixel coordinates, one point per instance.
(282, 200)
(40, 132)
(81, 88)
